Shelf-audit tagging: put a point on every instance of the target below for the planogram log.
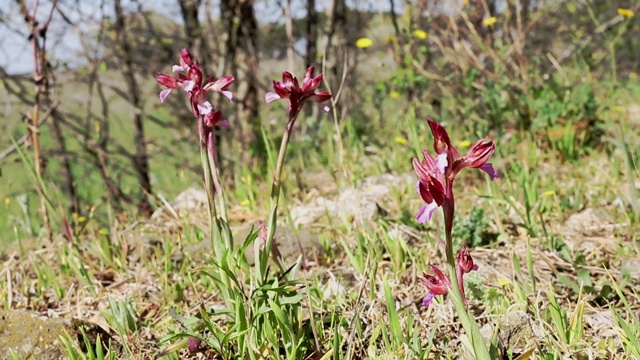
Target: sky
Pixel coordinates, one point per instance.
(65, 40)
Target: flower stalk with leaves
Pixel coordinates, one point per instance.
(435, 186)
(189, 77)
(256, 312)
(297, 94)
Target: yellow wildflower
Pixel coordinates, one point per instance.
(392, 39)
(245, 202)
(503, 282)
(420, 34)
(7, 201)
(626, 13)
(464, 144)
(549, 193)
(394, 95)
(633, 75)
(364, 43)
(103, 231)
(400, 140)
(489, 21)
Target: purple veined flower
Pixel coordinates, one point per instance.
(441, 142)
(477, 156)
(436, 175)
(464, 265)
(190, 79)
(214, 118)
(437, 284)
(289, 88)
(430, 184)
(464, 262)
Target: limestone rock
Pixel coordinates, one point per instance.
(32, 336)
(310, 213)
(362, 203)
(190, 199)
(287, 245)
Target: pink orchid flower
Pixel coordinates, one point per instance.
(190, 79)
(289, 88)
(477, 156)
(436, 175)
(430, 185)
(440, 283)
(437, 284)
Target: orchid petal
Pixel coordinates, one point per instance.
(188, 85)
(271, 96)
(228, 95)
(219, 85)
(441, 163)
(427, 299)
(164, 94)
(308, 74)
(177, 68)
(168, 81)
(488, 168)
(426, 212)
(321, 97)
(205, 107)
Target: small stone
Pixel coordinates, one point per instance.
(190, 199)
(632, 265)
(603, 323)
(333, 289)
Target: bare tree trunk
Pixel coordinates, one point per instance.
(215, 46)
(312, 52)
(312, 33)
(140, 159)
(241, 60)
(288, 25)
(43, 98)
(394, 18)
(334, 42)
(99, 149)
(196, 39)
(68, 183)
(189, 9)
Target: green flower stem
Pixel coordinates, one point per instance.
(215, 175)
(275, 198)
(214, 224)
(468, 322)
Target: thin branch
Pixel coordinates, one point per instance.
(8, 151)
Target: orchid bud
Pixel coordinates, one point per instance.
(464, 263)
(441, 142)
(480, 152)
